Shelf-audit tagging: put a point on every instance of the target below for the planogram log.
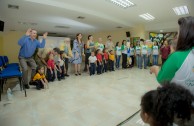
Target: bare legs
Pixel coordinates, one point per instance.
(77, 69)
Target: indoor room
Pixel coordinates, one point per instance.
(96, 62)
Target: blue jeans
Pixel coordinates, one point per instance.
(118, 57)
(148, 60)
(155, 59)
(145, 60)
(92, 68)
(99, 68)
(139, 61)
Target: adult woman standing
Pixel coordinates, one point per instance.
(78, 51)
(124, 54)
(179, 67)
(165, 51)
(90, 47)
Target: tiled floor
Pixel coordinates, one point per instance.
(100, 100)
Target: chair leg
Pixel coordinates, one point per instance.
(22, 83)
(2, 82)
(20, 80)
(0, 88)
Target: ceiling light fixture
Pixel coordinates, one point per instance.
(27, 23)
(80, 17)
(122, 3)
(147, 16)
(182, 10)
(13, 6)
(119, 27)
(61, 26)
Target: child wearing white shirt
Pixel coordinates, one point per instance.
(92, 63)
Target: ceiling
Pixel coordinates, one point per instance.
(100, 15)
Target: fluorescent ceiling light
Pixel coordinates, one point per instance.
(147, 16)
(122, 3)
(182, 10)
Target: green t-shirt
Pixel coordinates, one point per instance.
(172, 65)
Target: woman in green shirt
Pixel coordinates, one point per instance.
(179, 67)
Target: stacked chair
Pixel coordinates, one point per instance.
(9, 70)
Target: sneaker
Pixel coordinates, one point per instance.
(66, 75)
(27, 86)
(31, 83)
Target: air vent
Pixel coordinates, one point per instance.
(80, 17)
(119, 27)
(13, 6)
(62, 27)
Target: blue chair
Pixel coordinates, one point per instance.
(10, 73)
(8, 66)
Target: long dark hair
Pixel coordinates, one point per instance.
(117, 44)
(78, 35)
(89, 36)
(186, 33)
(123, 42)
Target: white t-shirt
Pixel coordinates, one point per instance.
(118, 50)
(92, 59)
(138, 50)
(132, 52)
(61, 62)
(144, 49)
(155, 50)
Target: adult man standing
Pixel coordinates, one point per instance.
(28, 44)
(109, 43)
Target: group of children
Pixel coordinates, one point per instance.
(101, 61)
(56, 63)
(142, 52)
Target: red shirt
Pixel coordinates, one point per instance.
(165, 51)
(106, 56)
(51, 63)
(99, 57)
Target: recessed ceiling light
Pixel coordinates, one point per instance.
(62, 27)
(182, 10)
(119, 27)
(80, 17)
(13, 6)
(147, 16)
(122, 3)
(27, 23)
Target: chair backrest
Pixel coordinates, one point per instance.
(6, 59)
(1, 62)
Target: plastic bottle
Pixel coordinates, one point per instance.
(9, 94)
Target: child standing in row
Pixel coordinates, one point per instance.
(118, 54)
(132, 53)
(138, 55)
(99, 61)
(111, 60)
(144, 51)
(105, 60)
(92, 63)
(155, 53)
